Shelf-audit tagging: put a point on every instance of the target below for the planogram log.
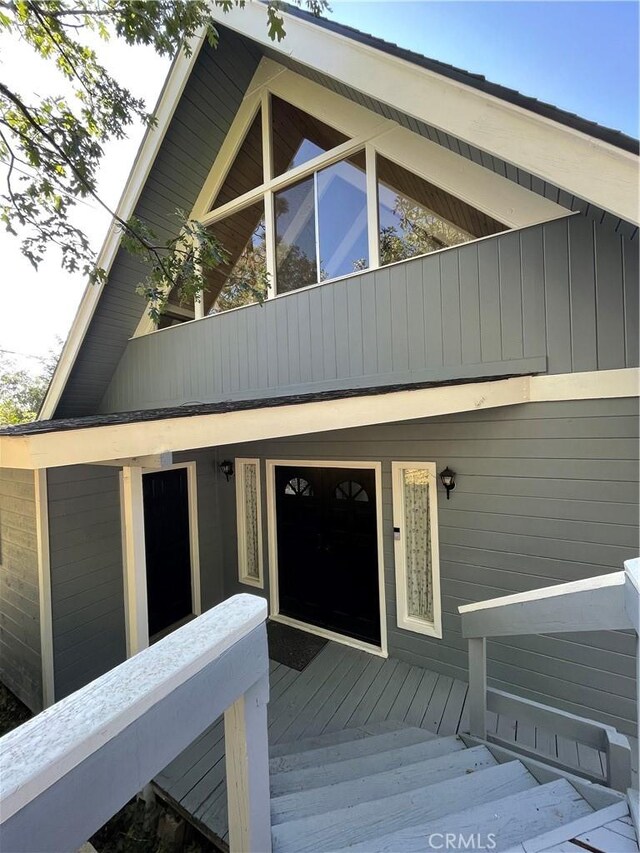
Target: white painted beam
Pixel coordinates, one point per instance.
(155, 460)
(135, 565)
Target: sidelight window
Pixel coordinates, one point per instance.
(249, 521)
(415, 520)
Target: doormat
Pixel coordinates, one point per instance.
(291, 647)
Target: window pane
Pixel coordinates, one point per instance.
(243, 279)
(246, 172)
(296, 236)
(418, 544)
(252, 567)
(342, 218)
(416, 217)
(298, 137)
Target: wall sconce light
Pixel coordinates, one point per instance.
(226, 468)
(448, 480)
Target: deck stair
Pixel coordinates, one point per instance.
(389, 786)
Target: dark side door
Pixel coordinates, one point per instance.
(168, 552)
(328, 549)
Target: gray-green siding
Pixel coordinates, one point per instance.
(558, 297)
(198, 128)
(202, 118)
(545, 493)
(87, 598)
(20, 656)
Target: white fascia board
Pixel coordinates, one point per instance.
(592, 169)
(145, 158)
(89, 445)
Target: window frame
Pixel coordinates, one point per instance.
(404, 621)
(244, 577)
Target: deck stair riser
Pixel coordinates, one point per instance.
(371, 820)
(332, 738)
(341, 771)
(512, 820)
(372, 745)
(380, 785)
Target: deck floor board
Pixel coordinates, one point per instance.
(341, 688)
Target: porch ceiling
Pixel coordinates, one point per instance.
(99, 438)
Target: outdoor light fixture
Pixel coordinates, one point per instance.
(448, 479)
(226, 467)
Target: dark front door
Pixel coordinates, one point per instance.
(328, 549)
(166, 533)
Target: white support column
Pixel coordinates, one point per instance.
(478, 688)
(373, 230)
(247, 764)
(270, 239)
(44, 586)
(135, 569)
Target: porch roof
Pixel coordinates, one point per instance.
(128, 435)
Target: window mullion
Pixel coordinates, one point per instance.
(373, 226)
(316, 205)
(267, 138)
(270, 242)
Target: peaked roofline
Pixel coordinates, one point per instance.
(476, 81)
(577, 160)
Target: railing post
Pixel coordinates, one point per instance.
(247, 763)
(618, 761)
(478, 687)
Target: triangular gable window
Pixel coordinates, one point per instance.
(298, 137)
(246, 172)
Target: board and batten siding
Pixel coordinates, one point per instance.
(87, 597)
(20, 654)
(198, 128)
(558, 298)
(545, 493)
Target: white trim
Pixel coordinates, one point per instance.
(404, 620)
(373, 206)
(127, 440)
(167, 103)
(594, 170)
(44, 586)
(330, 635)
(243, 577)
(134, 564)
(376, 467)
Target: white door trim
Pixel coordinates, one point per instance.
(274, 604)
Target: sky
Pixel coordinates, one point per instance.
(580, 55)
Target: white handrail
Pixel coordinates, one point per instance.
(66, 771)
(607, 602)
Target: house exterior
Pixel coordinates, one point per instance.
(453, 274)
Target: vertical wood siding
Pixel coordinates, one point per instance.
(20, 658)
(558, 297)
(87, 598)
(545, 493)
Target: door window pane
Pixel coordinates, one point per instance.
(249, 521)
(342, 218)
(298, 137)
(296, 264)
(417, 217)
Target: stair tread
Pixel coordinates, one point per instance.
(317, 776)
(421, 774)
(366, 822)
(356, 748)
(331, 738)
(511, 820)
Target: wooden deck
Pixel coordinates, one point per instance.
(342, 688)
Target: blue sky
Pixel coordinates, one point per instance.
(579, 55)
(582, 56)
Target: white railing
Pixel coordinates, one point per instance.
(606, 603)
(68, 770)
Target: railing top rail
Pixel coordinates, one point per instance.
(47, 747)
(611, 579)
